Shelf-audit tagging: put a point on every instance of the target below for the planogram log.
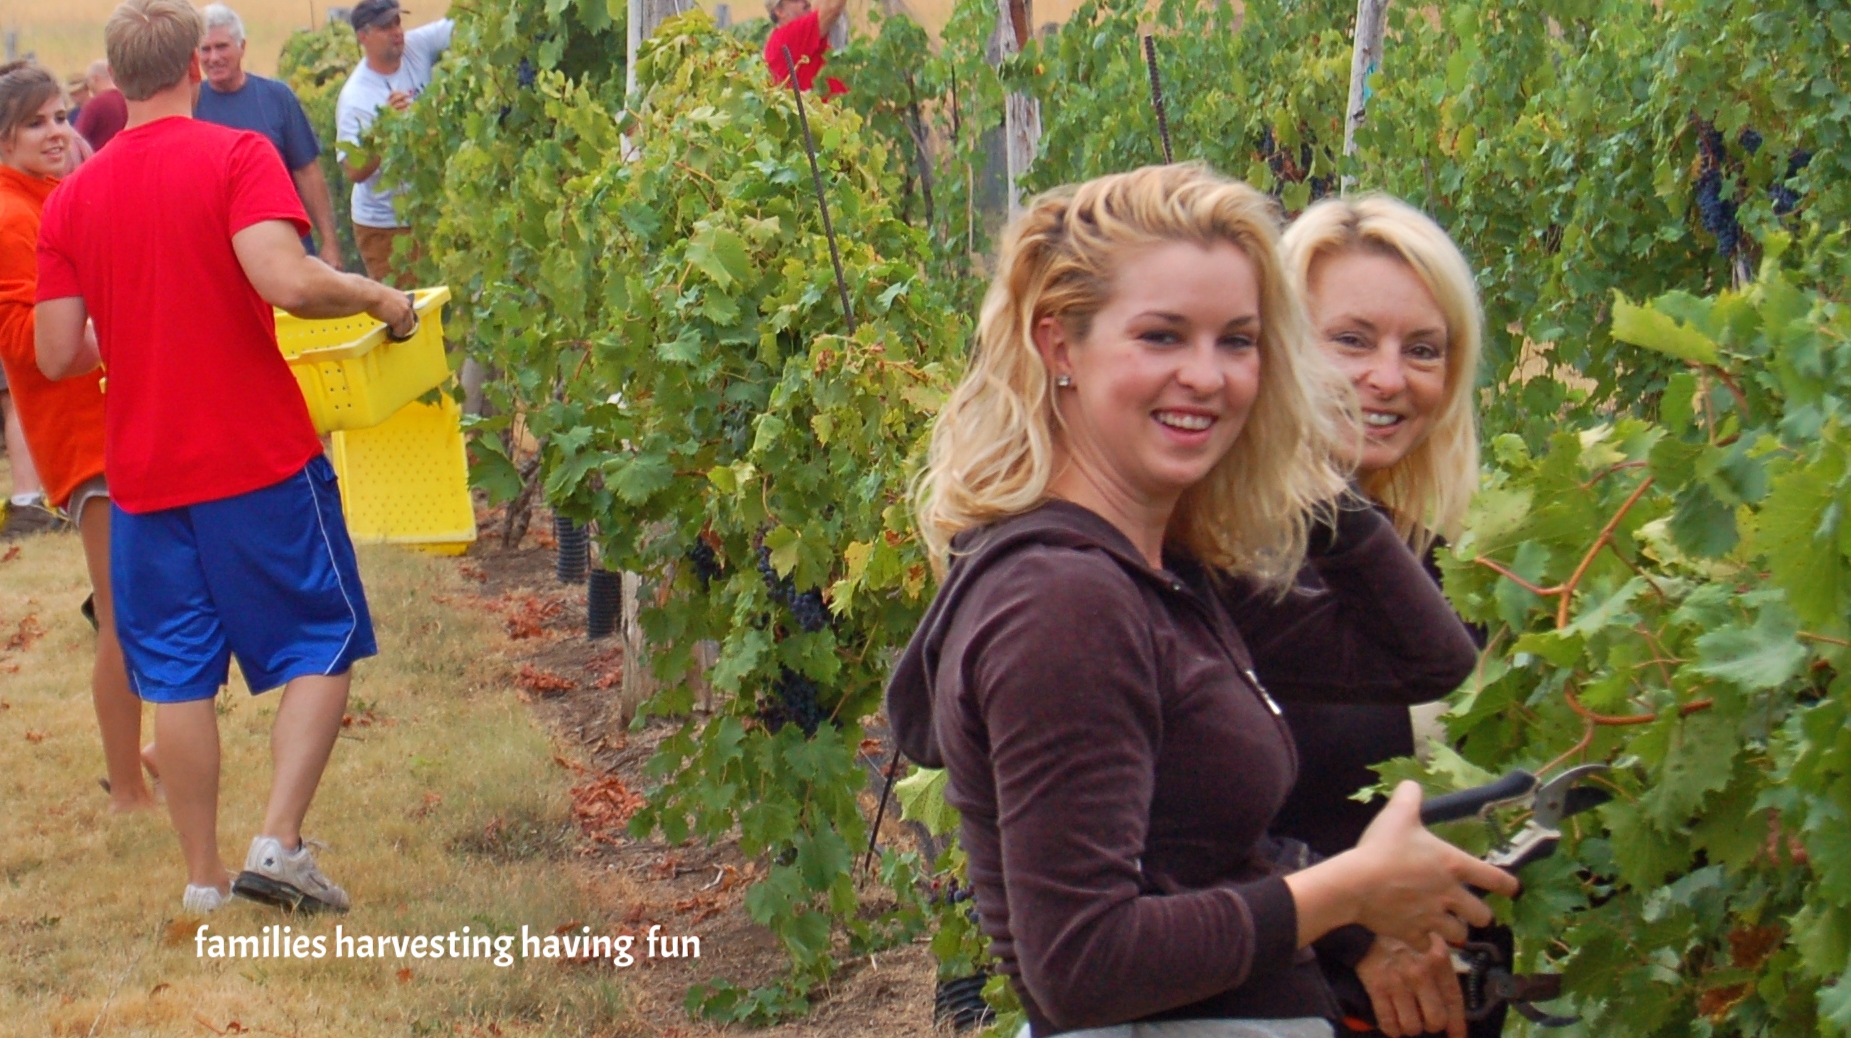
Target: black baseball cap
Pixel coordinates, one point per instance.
(368, 13)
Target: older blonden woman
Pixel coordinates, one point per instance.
(1132, 471)
(1394, 307)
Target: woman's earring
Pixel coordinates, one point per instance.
(1064, 381)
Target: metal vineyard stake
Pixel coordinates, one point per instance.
(822, 202)
(1156, 97)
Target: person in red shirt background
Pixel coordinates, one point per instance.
(806, 32)
(107, 112)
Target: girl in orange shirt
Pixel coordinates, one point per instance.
(63, 420)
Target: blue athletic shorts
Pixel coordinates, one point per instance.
(268, 576)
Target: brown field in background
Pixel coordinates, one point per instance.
(66, 35)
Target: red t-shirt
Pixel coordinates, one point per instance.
(200, 402)
(63, 420)
(102, 117)
(809, 48)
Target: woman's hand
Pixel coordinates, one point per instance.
(1400, 881)
(1420, 880)
(1413, 992)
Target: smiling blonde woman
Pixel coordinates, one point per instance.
(1131, 474)
(1393, 306)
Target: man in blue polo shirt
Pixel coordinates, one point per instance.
(247, 101)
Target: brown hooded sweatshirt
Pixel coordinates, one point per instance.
(1117, 763)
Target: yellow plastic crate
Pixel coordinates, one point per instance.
(352, 375)
(406, 480)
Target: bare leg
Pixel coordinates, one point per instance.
(118, 710)
(25, 474)
(301, 740)
(188, 734)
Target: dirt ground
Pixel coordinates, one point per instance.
(571, 684)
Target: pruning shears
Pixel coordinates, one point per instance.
(1484, 968)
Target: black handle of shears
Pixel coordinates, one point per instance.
(1469, 802)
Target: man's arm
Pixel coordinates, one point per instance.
(270, 252)
(827, 11)
(65, 344)
(350, 121)
(312, 185)
(357, 174)
(431, 40)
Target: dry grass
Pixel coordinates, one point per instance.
(442, 809)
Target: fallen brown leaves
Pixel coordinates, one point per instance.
(30, 630)
(704, 906)
(11, 554)
(35, 737)
(542, 682)
(602, 808)
(527, 615)
(364, 719)
(429, 804)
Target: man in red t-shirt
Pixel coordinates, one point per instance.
(226, 536)
(806, 33)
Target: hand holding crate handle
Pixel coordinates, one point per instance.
(409, 332)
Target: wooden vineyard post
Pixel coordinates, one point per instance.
(638, 678)
(645, 15)
(1364, 61)
(638, 681)
(1021, 112)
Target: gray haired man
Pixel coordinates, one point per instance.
(247, 101)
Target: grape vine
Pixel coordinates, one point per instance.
(1659, 551)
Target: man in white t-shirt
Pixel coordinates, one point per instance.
(396, 69)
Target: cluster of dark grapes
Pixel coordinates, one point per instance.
(1293, 169)
(1716, 212)
(793, 701)
(1719, 214)
(948, 891)
(1785, 198)
(806, 606)
(706, 563)
(524, 74)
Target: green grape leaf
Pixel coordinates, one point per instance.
(721, 254)
(1701, 525)
(1765, 655)
(1811, 570)
(1655, 330)
(1644, 855)
(922, 800)
(1696, 763)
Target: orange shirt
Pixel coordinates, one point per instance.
(63, 420)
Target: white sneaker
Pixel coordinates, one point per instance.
(200, 900)
(287, 879)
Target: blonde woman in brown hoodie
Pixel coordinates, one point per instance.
(1132, 472)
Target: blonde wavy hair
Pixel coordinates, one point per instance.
(1426, 492)
(996, 443)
